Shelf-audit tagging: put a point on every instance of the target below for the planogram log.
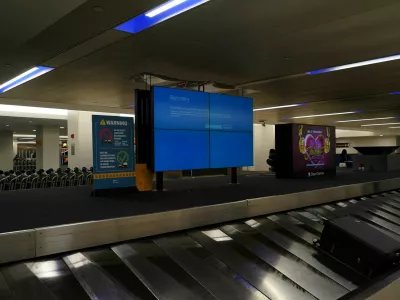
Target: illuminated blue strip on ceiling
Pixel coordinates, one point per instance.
(395, 93)
(24, 77)
(355, 65)
(159, 14)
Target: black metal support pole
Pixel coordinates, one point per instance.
(234, 177)
(159, 181)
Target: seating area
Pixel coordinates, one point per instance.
(32, 179)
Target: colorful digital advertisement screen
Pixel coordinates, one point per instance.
(305, 150)
(197, 130)
(313, 149)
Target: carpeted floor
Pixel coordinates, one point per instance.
(46, 207)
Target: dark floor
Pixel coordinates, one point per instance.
(46, 207)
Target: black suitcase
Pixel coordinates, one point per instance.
(360, 245)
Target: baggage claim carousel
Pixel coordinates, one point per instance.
(264, 257)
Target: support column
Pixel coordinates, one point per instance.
(80, 149)
(6, 150)
(47, 148)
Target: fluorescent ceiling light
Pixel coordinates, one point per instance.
(63, 137)
(362, 120)
(127, 115)
(277, 107)
(381, 124)
(24, 135)
(33, 110)
(325, 115)
(34, 130)
(61, 127)
(162, 8)
(158, 15)
(24, 77)
(394, 127)
(355, 65)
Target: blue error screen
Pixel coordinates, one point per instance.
(180, 109)
(230, 113)
(181, 150)
(196, 130)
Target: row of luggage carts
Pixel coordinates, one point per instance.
(32, 179)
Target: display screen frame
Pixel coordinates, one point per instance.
(295, 160)
(156, 128)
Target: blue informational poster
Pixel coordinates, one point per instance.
(231, 149)
(181, 150)
(180, 109)
(113, 152)
(230, 113)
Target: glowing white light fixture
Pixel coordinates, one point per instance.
(34, 130)
(325, 115)
(61, 127)
(277, 107)
(33, 110)
(24, 77)
(356, 65)
(24, 135)
(381, 124)
(127, 115)
(163, 8)
(158, 15)
(362, 120)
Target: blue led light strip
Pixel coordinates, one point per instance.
(159, 14)
(355, 65)
(24, 77)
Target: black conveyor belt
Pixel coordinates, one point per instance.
(270, 257)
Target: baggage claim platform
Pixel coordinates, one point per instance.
(261, 248)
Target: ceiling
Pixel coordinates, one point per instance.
(25, 126)
(257, 45)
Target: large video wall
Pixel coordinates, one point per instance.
(197, 130)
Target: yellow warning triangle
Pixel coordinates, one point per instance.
(102, 123)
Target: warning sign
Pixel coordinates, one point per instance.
(103, 123)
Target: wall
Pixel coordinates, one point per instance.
(6, 150)
(365, 142)
(264, 140)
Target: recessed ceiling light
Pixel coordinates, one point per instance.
(277, 107)
(34, 130)
(362, 120)
(7, 125)
(381, 124)
(381, 135)
(325, 115)
(24, 77)
(159, 14)
(394, 127)
(61, 127)
(355, 65)
(163, 8)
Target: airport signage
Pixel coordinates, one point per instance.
(113, 152)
